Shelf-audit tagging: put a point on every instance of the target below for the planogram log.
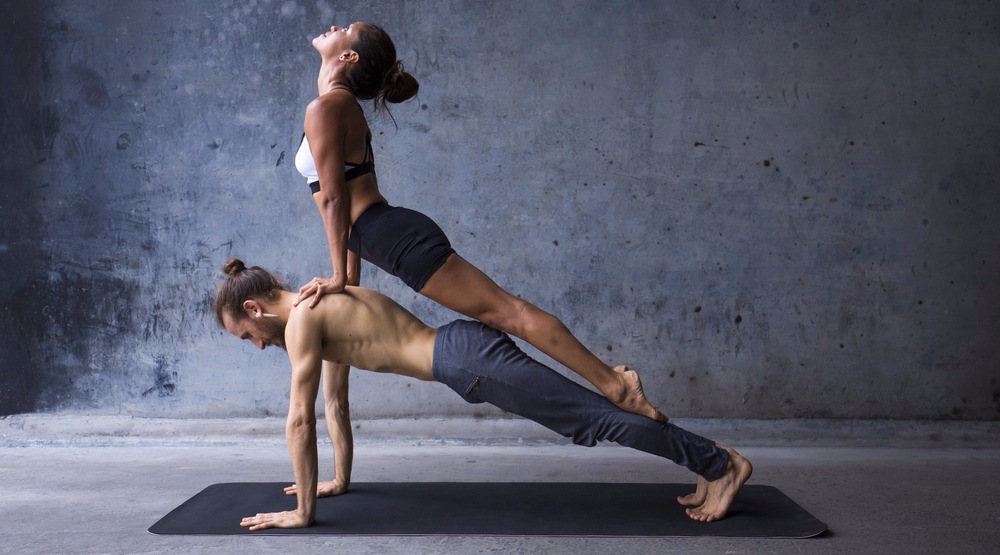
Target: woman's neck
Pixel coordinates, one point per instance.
(331, 76)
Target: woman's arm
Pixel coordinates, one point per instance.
(326, 128)
(353, 268)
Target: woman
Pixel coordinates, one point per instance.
(359, 61)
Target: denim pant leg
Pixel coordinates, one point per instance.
(484, 365)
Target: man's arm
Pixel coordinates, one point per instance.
(305, 353)
(338, 423)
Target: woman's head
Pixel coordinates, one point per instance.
(374, 73)
(243, 284)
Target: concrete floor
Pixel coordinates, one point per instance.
(94, 484)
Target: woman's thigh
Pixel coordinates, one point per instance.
(462, 287)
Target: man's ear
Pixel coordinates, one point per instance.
(252, 308)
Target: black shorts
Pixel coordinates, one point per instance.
(403, 242)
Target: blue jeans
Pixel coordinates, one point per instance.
(484, 365)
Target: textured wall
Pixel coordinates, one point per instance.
(771, 209)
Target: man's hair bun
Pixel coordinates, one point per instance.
(233, 266)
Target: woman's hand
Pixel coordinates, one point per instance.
(317, 288)
(286, 519)
(328, 488)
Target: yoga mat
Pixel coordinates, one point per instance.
(495, 509)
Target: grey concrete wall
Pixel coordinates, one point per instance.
(770, 209)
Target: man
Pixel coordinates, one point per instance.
(366, 330)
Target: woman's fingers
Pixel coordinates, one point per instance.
(306, 291)
(316, 289)
(321, 289)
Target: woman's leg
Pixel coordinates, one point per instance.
(463, 288)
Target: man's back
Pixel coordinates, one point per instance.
(367, 330)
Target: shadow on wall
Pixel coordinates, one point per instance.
(23, 143)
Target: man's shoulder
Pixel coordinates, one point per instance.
(303, 321)
(302, 317)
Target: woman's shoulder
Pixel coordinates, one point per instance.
(335, 100)
(332, 108)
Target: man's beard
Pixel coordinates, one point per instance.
(275, 332)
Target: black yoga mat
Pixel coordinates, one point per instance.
(495, 509)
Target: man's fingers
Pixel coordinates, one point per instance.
(259, 522)
(263, 521)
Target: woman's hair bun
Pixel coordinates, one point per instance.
(399, 85)
(233, 266)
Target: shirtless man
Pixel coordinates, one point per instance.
(366, 330)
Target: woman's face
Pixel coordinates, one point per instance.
(336, 41)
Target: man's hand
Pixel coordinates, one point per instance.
(285, 519)
(324, 489)
(317, 288)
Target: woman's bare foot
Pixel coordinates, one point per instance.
(632, 399)
(721, 492)
(699, 495)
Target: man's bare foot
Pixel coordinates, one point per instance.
(699, 495)
(632, 398)
(721, 492)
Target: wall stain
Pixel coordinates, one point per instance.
(163, 381)
(91, 86)
(87, 311)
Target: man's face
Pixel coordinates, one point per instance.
(262, 332)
